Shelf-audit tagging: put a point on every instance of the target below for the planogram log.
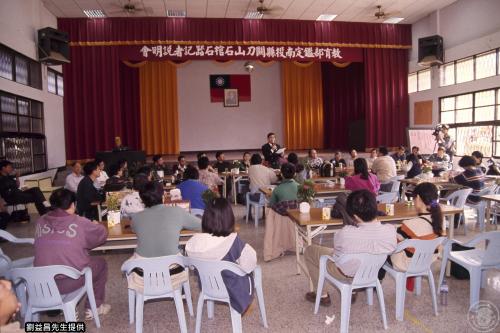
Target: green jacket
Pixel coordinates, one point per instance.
(285, 191)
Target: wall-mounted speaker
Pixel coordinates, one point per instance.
(53, 46)
(430, 51)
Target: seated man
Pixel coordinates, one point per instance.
(86, 193)
(372, 157)
(400, 155)
(222, 165)
(10, 192)
(385, 168)
(440, 161)
(368, 236)
(74, 178)
(63, 238)
(116, 182)
(159, 168)
(472, 177)
(180, 167)
(478, 157)
(354, 155)
(337, 160)
(415, 162)
(192, 189)
(313, 160)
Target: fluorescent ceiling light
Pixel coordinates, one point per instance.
(94, 13)
(394, 20)
(254, 15)
(326, 17)
(176, 13)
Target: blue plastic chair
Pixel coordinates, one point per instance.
(43, 294)
(387, 197)
(365, 277)
(480, 206)
(157, 284)
(6, 264)
(214, 289)
(476, 261)
(458, 199)
(420, 265)
(197, 212)
(256, 207)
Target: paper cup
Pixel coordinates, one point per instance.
(325, 213)
(389, 209)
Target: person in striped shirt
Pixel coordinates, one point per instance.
(472, 177)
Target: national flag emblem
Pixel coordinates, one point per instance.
(219, 82)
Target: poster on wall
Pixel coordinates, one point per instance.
(474, 138)
(221, 82)
(231, 98)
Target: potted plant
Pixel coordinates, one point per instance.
(342, 174)
(305, 195)
(113, 206)
(236, 167)
(208, 196)
(427, 172)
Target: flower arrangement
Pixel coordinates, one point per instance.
(306, 191)
(113, 203)
(208, 196)
(342, 173)
(236, 164)
(427, 169)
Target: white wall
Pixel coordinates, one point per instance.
(211, 126)
(19, 22)
(468, 28)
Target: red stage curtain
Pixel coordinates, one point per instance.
(130, 101)
(343, 101)
(217, 30)
(386, 96)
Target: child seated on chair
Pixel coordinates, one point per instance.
(219, 241)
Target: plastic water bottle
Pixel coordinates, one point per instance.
(443, 292)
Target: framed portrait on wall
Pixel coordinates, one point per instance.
(231, 98)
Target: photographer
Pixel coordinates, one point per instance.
(444, 140)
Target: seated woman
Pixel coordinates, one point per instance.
(422, 227)
(372, 158)
(192, 189)
(472, 177)
(132, 202)
(116, 182)
(362, 179)
(279, 235)
(219, 241)
(158, 228)
(300, 171)
(210, 179)
(313, 160)
(246, 161)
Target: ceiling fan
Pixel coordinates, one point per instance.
(380, 14)
(129, 8)
(264, 10)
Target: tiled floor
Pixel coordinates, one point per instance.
(284, 290)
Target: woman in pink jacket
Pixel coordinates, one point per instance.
(362, 179)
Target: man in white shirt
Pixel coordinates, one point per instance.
(354, 155)
(368, 236)
(74, 178)
(384, 166)
(260, 175)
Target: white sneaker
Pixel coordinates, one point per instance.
(103, 309)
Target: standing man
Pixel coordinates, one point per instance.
(445, 141)
(270, 151)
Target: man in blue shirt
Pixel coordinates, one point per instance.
(192, 189)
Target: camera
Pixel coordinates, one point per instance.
(437, 129)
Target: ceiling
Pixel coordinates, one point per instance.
(347, 10)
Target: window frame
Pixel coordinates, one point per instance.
(417, 73)
(31, 135)
(494, 123)
(57, 75)
(31, 63)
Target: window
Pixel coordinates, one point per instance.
(447, 73)
(473, 120)
(465, 70)
(55, 82)
(19, 68)
(472, 68)
(419, 81)
(22, 138)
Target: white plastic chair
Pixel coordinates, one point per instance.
(214, 289)
(420, 265)
(256, 207)
(7, 264)
(458, 199)
(476, 261)
(480, 206)
(387, 197)
(157, 284)
(365, 277)
(43, 294)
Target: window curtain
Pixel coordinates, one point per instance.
(386, 96)
(302, 105)
(158, 104)
(343, 101)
